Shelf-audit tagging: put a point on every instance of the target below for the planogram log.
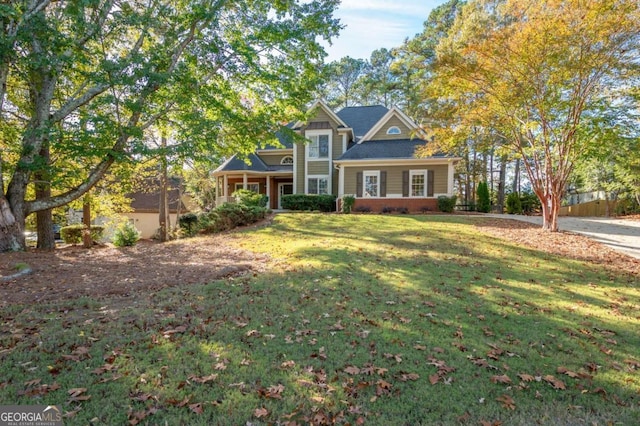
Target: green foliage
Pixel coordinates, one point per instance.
(72, 234)
(250, 198)
(530, 203)
(126, 235)
(514, 205)
(484, 199)
(304, 202)
(93, 79)
(446, 204)
(188, 223)
(228, 216)
(347, 203)
(538, 75)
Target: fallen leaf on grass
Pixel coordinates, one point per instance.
(553, 381)
(501, 379)
(408, 376)
(563, 370)
(261, 412)
(275, 391)
(203, 379)
(507, 402)
(196, 408)
(76, 394)
(526, 377)
(352, 369)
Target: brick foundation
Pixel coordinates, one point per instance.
(414, 205)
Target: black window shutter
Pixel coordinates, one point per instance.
(359, 184)
(405, 183)
(383, 183)
(430, 183)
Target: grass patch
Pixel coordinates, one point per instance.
(377, 319)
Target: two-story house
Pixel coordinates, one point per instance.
(366, 151)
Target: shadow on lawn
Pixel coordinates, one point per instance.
(346, 332)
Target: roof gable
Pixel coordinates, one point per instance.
(323, 111)
(362, 118)
(393, 117)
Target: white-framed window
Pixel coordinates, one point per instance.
(287, 160)
(371, 183)
(318, 185)
(251, 186)
(394, 130)
(319, 146)
(417, 183)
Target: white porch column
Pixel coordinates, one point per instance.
(341, 172)
(450, 169)
(268, 190)
(226, 186)
(244, 181)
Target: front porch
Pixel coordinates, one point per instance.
(274, 186)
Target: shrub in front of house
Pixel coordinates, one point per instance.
(304, 202)
(250, 198)
(188, 223)
(347, 203)
(228, 216)
(514, 205)
(530, 202)
(484, 199)
(126, 235)
(446, 204)
(72, 234)
(387, 209)
(362, 209)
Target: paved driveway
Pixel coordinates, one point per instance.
(619, 234)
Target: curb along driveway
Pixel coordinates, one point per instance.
(619, 234)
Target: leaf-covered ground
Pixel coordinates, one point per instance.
(376, 320)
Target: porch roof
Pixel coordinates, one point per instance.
(238, 164)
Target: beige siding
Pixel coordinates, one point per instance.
(321, 115)
(148, 223)
(318, 168)
(337, 145)
(394, 177)
(299, 166)
(406, 133)
(273, 160)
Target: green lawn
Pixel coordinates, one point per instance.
(360, 319)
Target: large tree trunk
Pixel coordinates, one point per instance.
(87, 241)
(11, 228)
(164, 198)
(516, 178)
(44, 218)
(502, 182)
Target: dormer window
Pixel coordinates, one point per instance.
(394, 130)
(287, 160)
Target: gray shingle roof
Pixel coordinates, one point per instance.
(234, 164)
(362, 118)
(402, 148)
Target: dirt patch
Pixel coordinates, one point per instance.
(565, 244)
(72, 272)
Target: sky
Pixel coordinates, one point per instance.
(373, 24)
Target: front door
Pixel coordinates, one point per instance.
(284, 189)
